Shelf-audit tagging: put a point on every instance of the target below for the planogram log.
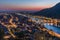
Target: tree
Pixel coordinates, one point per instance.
(1, 33)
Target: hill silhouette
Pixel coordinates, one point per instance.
(53, 12)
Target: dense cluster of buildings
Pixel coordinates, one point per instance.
(23, 28)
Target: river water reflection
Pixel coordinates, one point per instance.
(53, 28)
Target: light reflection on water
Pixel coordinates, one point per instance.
(53, 28)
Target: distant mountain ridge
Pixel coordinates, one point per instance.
(53, 12)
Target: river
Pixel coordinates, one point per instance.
(49, 27)
(53, 28)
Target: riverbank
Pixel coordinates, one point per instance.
(51, 32)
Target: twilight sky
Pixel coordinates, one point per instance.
(26, 4)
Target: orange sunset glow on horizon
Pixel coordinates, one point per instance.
(26, 4)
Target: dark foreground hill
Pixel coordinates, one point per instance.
(53, 12)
